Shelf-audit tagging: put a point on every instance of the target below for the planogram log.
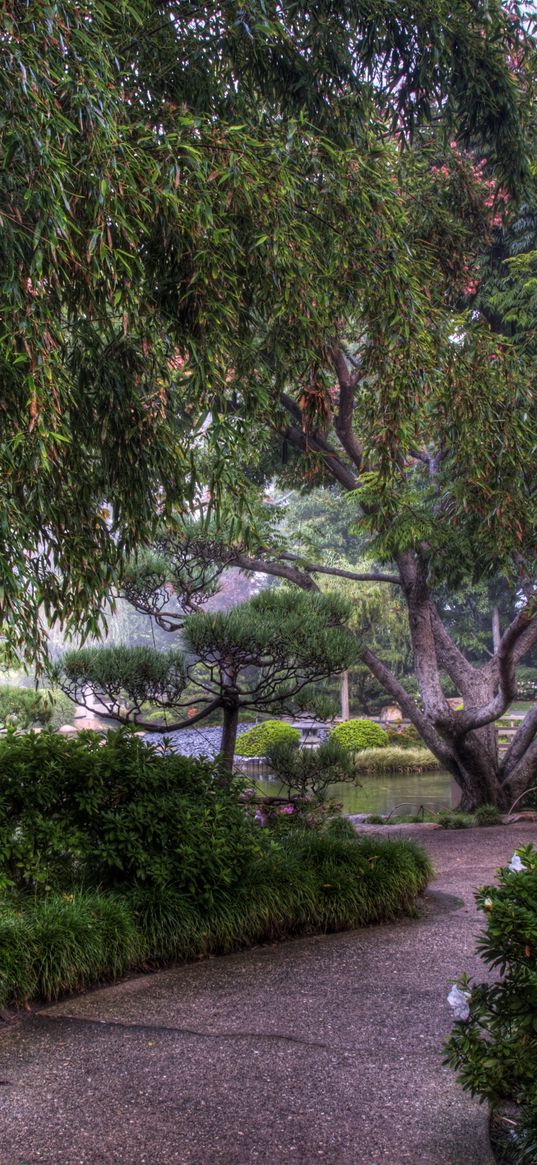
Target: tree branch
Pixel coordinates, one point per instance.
(344, 416)
(408, 706)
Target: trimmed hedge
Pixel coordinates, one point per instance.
(257, 740)
(303, 883)
(358, 734)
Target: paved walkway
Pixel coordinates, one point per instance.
(320, 1050)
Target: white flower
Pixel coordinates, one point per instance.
(458, 1000)
(488, 904)
(516, 865)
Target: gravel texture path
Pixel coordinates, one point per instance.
(325, 1049)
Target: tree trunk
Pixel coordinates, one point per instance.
(229, 740)
(344, 691)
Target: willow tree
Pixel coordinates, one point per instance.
(174, 183)
(259, 657)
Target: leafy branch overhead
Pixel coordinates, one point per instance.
(175, 183)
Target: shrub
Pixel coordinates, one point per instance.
(359, 734)
(257, 740)
(487, 815)
(494, 1049)
(24, 707)
(395, 760)
(454, 820)
(407, 737)
(302, 883)
(115, 813)
(307, 772)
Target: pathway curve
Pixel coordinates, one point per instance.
(326, 1049)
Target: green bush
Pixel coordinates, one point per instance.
(487, 815)
(407, 737)
(301, 883)
(494, 1050)
(257, 740)
(359, 734)
(306, 773)
(395, 760)
(34, 708)
(24, 707)
(114, 813)
(454, 820)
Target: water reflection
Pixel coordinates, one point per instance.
(383, 792)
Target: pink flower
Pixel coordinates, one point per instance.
(287, 809)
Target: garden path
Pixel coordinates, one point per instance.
(325, 1049)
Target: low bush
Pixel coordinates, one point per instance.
(487, 815)
(256, 741)
(493, 1045)
(455, 820)
(24, 707)
(407, 737)
(306, 773)
(301, 883)
(395, 760)
(359, 734)
(115, 813)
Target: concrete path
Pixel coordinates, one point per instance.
(320, 1050)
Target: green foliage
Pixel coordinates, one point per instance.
(115, 813)
(494, 1051)
(307, 772)
(359, 734)
(455, 820)
(407, 737)
(24, 707)
(392, 759)
(127, 677)
(262, 738)
(31, 707)
(487, 815)
(297, 884)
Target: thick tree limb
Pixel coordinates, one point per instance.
(520, 742)
(344, 416)
(392, 685)
(147, 724)
(451, 659)
(316, 443)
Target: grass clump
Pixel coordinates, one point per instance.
(487, 815)
(395, 760)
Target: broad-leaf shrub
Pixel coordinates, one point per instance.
(494, 1050)
(359, 734)
(259, 739)
(115, 812)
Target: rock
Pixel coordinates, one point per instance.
(524, 815)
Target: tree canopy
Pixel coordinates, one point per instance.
(175, 182)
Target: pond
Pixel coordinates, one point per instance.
(384, 791)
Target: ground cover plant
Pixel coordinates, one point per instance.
(493, 1045)
(115, 856)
